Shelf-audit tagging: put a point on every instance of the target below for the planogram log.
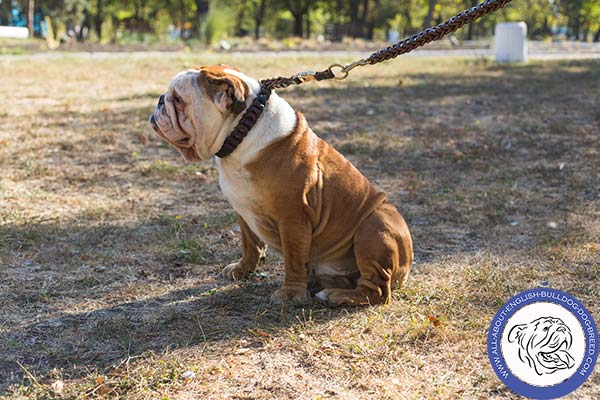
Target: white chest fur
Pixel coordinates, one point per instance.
(244, 195)
(236, 184)
(276, 122)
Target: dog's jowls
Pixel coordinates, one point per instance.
(291, 190)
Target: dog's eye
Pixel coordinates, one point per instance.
(177, 100)
(546, 328)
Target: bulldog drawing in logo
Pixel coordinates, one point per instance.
(544, 344)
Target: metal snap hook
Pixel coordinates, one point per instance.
(351, 66)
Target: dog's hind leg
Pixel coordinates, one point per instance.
(253, 251)
(384, 254)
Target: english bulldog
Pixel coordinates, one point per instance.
(544, 344)
(291, 191)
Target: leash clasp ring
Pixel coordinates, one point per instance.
(341, 73)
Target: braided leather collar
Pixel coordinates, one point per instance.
(248, 120)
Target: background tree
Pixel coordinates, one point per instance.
(211, 20)
(299, 10)
(259, 14)
(202, 7)
(99, 18)
(430, 11)
(5, 12)
(30, 12)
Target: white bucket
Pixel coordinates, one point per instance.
(15, 32)
(511, 42)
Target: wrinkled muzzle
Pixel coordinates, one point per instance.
(164, 122)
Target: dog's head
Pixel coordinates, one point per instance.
(544, 344)
(196, 113)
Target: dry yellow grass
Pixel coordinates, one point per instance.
(111, 246)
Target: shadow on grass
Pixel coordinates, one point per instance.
(74, 263)
(78, 343)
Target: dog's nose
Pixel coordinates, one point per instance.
(161, 102)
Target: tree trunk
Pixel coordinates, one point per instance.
(181, 19)
(338, 29)
(30, 17)
(85, 25)
(597, 36)
(429, 16)
(298, 24)
(372, 20)
(471, 27)
(201, 11)
(259, 14)
(136, 12)
(99, 18)
(4, 12)
(406, 30)
(354, 18)
(307, 27)
(545, 29)
(577, 29)
(362, 22)
(298, 8)
(240, 20)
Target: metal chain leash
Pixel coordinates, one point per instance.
(402, 47)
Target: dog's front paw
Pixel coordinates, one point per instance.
(349, 297)
(236, 271)
(284, 295)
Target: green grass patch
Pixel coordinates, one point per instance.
(191, 251)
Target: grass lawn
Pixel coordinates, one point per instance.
(111, 245)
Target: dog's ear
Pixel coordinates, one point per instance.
(516, 333)
(230, 67)
(228, 91)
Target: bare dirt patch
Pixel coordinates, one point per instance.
(111, 246)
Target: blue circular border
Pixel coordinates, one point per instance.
(514, 383)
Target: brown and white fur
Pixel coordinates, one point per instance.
(291, 191)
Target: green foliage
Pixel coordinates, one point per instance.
(108, 31)
(282, 25)
(66, 12)
(218, 25)
(191, 250)
(212, 20)
(10, 51)
(161, 24)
